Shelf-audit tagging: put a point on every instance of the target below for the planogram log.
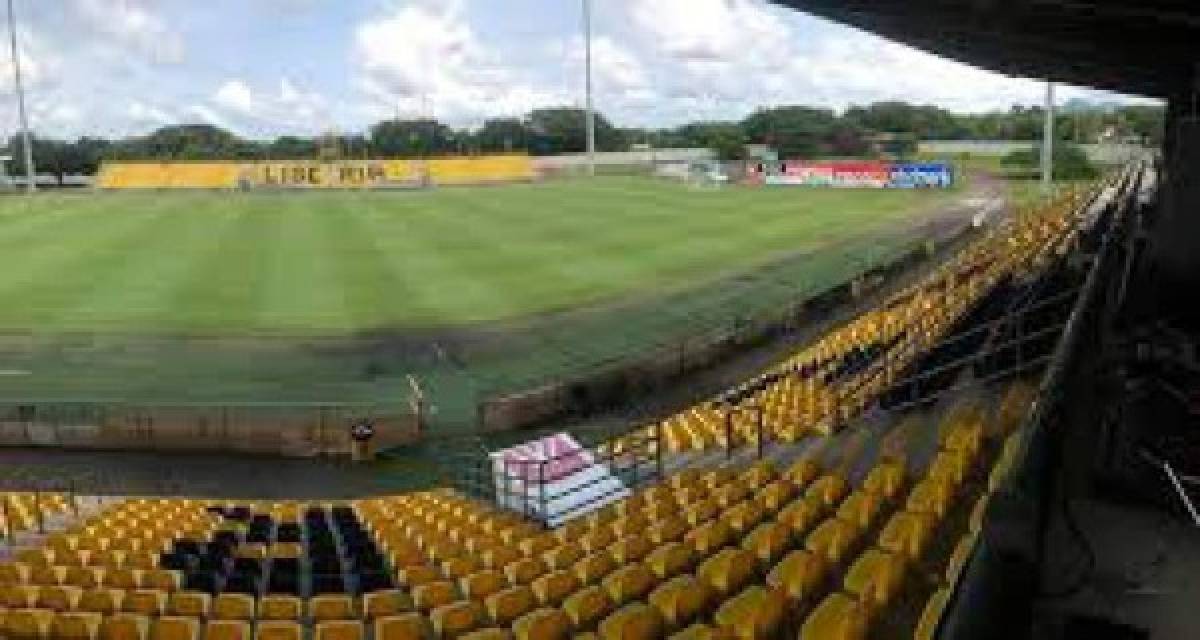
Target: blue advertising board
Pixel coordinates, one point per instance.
(918, 175)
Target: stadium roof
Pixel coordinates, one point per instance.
(1133, 46)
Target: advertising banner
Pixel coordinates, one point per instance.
(854, 174)
(915, 175)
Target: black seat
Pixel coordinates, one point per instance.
(177, 561)
(238, 582)
(369, 581)
(204, 581)
(288, 532)
(326, 564)
(252, 566)
(328, 583)
(284, 582)
(285, 565)
(187, 546)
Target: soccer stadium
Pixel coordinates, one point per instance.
(587, 322)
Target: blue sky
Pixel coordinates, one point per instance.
(266, 67)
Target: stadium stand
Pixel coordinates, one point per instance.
(710, 552)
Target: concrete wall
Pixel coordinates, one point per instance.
(618, 158)
(1100, 153)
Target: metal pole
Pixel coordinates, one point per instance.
(30, 182)
(587, 72)
(1048, 142)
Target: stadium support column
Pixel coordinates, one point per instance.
(1048, 142)
(30, 181)
(587, 72)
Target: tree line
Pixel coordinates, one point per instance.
(794, 131)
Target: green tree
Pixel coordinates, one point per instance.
(796, 132)
(563, 130)
(725, 138)
(1069, 161)
(502, 134)
(409, 138)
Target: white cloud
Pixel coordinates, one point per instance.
(135, 24)
(426, 58)
(148, 115)
(235, 95)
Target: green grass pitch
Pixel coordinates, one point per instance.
(100, 293)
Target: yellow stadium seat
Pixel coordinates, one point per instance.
(482, 584)
(60, 599)
(929, 496)
(569, 532)
(885, 480)
(18, 596)
(456, 568)
(281, 608)
(227, 630)
(635, 621)
(435, 594)
(744, 516)
(801, 516)
(907, 533)
(798, 575)
(123, 579)
(175, 628)
(701, 512)
(829, 489)
(407, 626)
(832, 540)
(802, 472)
(162, 579)
(949, 467)
(189, 604)
(775, 495)
(542, 624)
(125, 626)
(562, 556)
(596, 540)
(331, 607)
(498, 557)
(754, 614)
(593, 567)
(524, 571)
(731, 494)
(875, 578)
(279, 630)
(27, 624)
(457, 618)
(552, 588)
(670, 529)
(586, 607)
(340, 630)
(931, 615)
(701, 631)
(490, 633)
(860, 509)
(506, 606)
(727, 571)
(233, 606)
(389, 602)
(631, 582)
(104, 601)
(768, 541)
(538, 544)
(671, 559)
(415, 576)
(13, 573)
(709, 537)
(148, 602)
(681, 600)
(838, 617)
(76, 625)
(631, 548)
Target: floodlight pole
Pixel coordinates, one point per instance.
(1048, 142)
(587, 72)
(30, 181)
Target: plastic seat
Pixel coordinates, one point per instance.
(233, 606)
(701, 631)
(524, 571)
(755, 613)
(949, 467)
(775, 495)
(562, 556)
(832, 540)
(929, 496)
(123, 579)
(709, 537)
(125, 626)
(417, 575)
(13, 573)
(768, 541)
(701, 512)
(681, 600)
(537, 545)
(744, 516)
(837, 617)
(460, 567)
(629, 583)
(506, 606)
(27, 624)
(408, 626)
(875, 578)
(885, 480)
(148, 602)
(801, 515)
(797, 576)
(596, 540)
(490, 633)
(552, 588)
(101, 600)
(163, 579)
(175, 628)
(635, 621)
(727, 571)
(931, 615)
(282, 608)
(829, 489)
(279, 630)
(907, 533)
(671, 559)
(49, 576)
(482, 584)
(586, 607)
(189, 604)
(593, 567)
(497, 557)
(435, 594)
(802, 473)
(731, 494)
(457, 618)
(331, 607)
(76, 625)
(84, 577)
(340, 630)
(388, 602)
(542, 624)
(227, 630)
(670, 529)
(58, 598)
